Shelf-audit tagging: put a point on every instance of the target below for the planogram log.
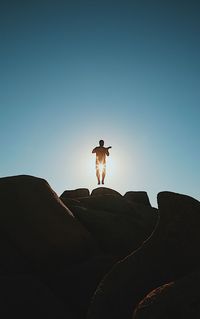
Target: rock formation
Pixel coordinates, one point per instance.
(102, 255)
(170, 253)
(117, 225)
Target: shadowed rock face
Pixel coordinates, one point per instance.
(39, 226)
(76, 193)
(116, 234)
(116, 224)
(109, 202)
(40, 237)
(138, 197)
(68, 252)
(173, 300)
(171, 252)
(70, 202)
(104, 191)
(149, 299)
(25, 296)
(76, 285)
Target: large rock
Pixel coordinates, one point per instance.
(145, 216)
(118, 225)
(116, 234)
(104, 191)
(170, 253)
(76, 193)
(35, 222)
(138, 197)
(178, 299)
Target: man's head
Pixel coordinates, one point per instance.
(101, 143)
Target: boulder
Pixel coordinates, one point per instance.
(119, 205)
(179, 299)
(75, 193)
(104, 191)
(169, 254)
(118, 225)
(138, 197)
(35, 221)
(117, 234)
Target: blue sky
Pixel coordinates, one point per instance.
(128, 72)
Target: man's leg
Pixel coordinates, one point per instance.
(98, 174)
(103, 173)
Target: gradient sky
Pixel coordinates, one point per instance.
(128, 72)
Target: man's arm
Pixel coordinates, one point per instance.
(94, 150)
(107, 152)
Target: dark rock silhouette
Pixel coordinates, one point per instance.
(178, 299)
(143, 307)
(35, 221)
(25, 296)
(119, 205)
(115, 234)
(138, 197)
(117, 225)
(76, 193)
(104, 191)
(171, 252)
(70, 251)
(40, 237)
(76, 285)
(70, 202)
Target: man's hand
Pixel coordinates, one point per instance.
(109, 147)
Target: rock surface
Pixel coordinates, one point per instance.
(117, 226)
(170, 253)
(104, 191)
(76, 285)
(25, 296)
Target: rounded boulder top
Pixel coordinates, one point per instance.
(138, 197)
(104, 191)
(75, 193)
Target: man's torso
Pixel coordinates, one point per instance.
(100, 154)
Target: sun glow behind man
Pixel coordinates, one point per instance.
(122, 165)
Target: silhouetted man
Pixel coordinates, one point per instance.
(101, 153)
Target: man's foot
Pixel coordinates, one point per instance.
(99, 183)
(102, 182)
